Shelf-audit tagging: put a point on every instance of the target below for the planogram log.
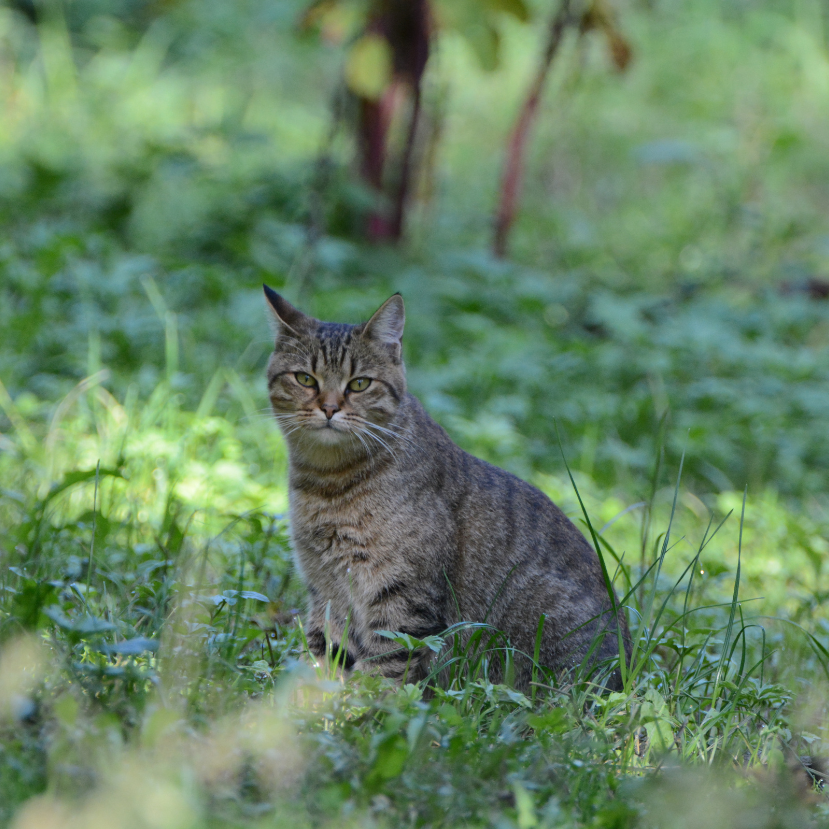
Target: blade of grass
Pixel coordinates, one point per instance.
(652, 598)
(721, 667)
(623, 665)
(94, 525)
(537, 652)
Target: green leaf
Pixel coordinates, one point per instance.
(513, 696)
(660, 734)
(485, 41)
(391, 757)
(29, 601)
(251, 594)
(72, 478)
(83, 625)
(132, 647)
(368, 66)
(412, 643)
(525, 806)
(555, 721)
(515, 8)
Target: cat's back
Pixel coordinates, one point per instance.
(514, 553)
(494, 508)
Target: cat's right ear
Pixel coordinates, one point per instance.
(283, 315)
(386, 326)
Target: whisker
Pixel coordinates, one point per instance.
(291, 429)
(365, 445)
(369, 454)
(382, 443)
(290, 423)
(402, 439)
(289, 420)
(398, 434)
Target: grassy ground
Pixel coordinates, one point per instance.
(656, 311)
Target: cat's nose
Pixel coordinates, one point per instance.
(330, 409)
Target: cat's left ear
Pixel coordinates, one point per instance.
(284, 317)
(386, 326)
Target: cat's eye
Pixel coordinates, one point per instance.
(359, 384)
(305, 379)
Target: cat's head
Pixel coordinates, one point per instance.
(334, 385)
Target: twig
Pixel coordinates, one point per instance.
(514, 166)
(401, 196)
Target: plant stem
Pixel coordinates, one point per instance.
(514, 166)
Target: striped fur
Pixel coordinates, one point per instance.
(396, 528)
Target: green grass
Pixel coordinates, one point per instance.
(212, 713)
(653, 316)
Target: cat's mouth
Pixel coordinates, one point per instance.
(329, 431)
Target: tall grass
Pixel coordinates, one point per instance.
(164, 650)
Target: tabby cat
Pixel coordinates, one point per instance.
(396, 528)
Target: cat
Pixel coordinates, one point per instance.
(396, 528)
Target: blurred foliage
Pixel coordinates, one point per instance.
(158, 161)
(676, 274)
(478, 22)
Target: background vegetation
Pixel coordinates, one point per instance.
(664, 307)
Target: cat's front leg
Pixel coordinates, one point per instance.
(394, 662)
(327, 635)
(380, 655)
(402, 604)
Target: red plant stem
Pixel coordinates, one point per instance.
(375, 117)
(407, 27)
(418, 43)
(401, 199)
(373, 126)
(514, 165)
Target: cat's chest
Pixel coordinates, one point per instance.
(336, 540)
(340, 551)
(348, 547)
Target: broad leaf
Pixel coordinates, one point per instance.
(132, 647)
